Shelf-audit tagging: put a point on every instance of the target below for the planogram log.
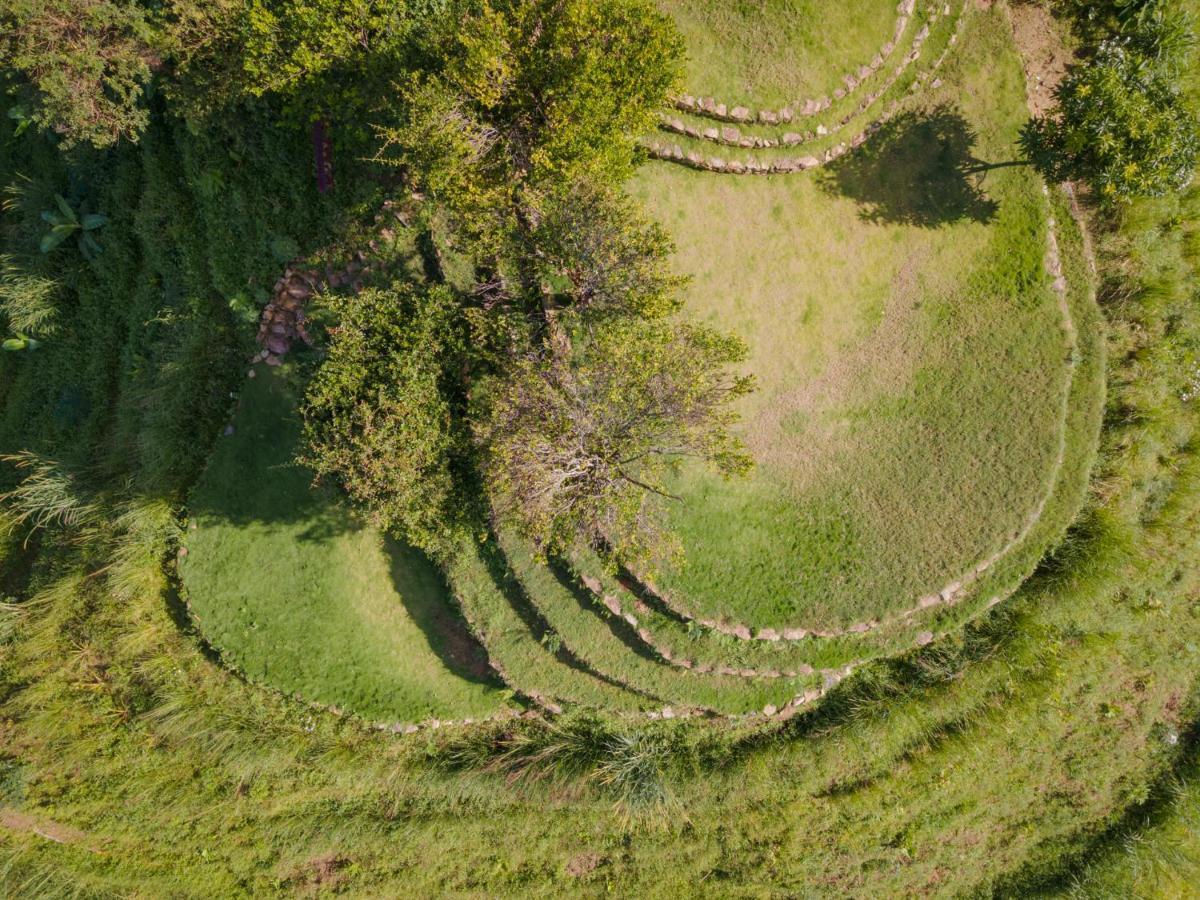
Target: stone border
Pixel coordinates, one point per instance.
(731, 136)
(711, 108)
(789, 165)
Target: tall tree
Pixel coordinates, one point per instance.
(383, 415)
(522, 94)
(581, 449)
(85, 65)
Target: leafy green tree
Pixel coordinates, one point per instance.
(85, 65)
(613, 259)
(520, 95)
(1119, 125)
(579, 449)
(322, 57)
(381, 417)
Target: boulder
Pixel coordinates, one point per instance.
(925, 637)
(711, 134)
(767, 117)
(790, 139)
(741, 632)
(721, 110)
(808, 162)
(767, 634)
(740, 114)
(794, 634)
(730, 135)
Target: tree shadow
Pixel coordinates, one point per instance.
(427, 599)
(507, 582)
(622, 630)
(915, 169)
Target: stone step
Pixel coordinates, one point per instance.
(502, 620)
(776, 131)
(722, 110)
(802, 152)
(610, 644)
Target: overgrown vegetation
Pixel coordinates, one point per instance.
(991, 761)
(1122, 123)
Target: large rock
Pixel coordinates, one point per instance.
(740, 114)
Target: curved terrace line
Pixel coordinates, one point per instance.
(788, 165)
(955, 591)
(711, 108)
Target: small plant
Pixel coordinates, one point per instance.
(20, 342)
(65, 222)
(20, 116)
(27, 303)
(552, 641)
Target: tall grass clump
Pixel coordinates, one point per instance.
(47, 495)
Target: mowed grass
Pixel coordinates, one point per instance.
(775, 52)
(298, 595)
(909, 350)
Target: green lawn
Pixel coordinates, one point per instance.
(910, 356)
(298, 595)
(774, 52)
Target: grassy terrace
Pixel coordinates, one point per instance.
(910, 353)
(772, 53)
(612, 645)
(297, 594)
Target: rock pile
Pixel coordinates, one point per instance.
(283, 319)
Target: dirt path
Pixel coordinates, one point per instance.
(16, 820)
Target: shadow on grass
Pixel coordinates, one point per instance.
(917, 169)
(510, 586)
(253, 478)
(427, 600)
(623, 631)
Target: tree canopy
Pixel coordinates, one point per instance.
(1120, 122)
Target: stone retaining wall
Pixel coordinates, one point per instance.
(787, 165)
(731, 136)
(714, 109)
